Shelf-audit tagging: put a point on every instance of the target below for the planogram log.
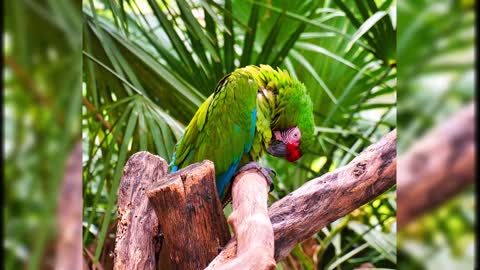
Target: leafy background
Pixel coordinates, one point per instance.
(41, 121)
(436, 79)
(148, 65)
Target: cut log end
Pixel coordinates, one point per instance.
(191, 216)
(137, 227)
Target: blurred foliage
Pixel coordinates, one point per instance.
(436, 47)
(436, 78)
(42, 91)
(148, 65)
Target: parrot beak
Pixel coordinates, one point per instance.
(277, 149)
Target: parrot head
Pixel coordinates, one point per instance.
(285, 143)
(292, 124)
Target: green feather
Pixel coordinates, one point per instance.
(221, 129)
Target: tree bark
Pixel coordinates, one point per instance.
(138, 234)
(437, 166)
(251, 224)
(324, 199)
(191, 215)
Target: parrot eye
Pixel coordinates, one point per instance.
(295, 134)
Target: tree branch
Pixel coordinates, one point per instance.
(250, 222)
(437, 166)
(69, 215)
(322, 200)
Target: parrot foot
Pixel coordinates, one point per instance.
(266, 172)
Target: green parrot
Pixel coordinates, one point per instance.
(255, 109)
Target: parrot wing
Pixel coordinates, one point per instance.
(222, 129)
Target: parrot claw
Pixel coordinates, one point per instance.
(266, 172)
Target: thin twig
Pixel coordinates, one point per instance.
(27, 81)
(99, 117)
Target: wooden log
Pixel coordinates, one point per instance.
(436, 167)
(191, 215)
(322, 200)
(251, 224)
(69, 215)
(137, 239)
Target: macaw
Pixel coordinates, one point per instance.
(253, 110)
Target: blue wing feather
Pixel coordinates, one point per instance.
(248, 145)
(224, 178)
(172, 165)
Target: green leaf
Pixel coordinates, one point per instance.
(269, 43)
(366, 26)
(347, 256)
(384, 243)
(197, 31)
(229, 38)
(250, 36)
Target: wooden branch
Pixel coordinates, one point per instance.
(137, 240)
(69, 215)
(437, 166)
(324, 199)
(191, 216)
(251, 224)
